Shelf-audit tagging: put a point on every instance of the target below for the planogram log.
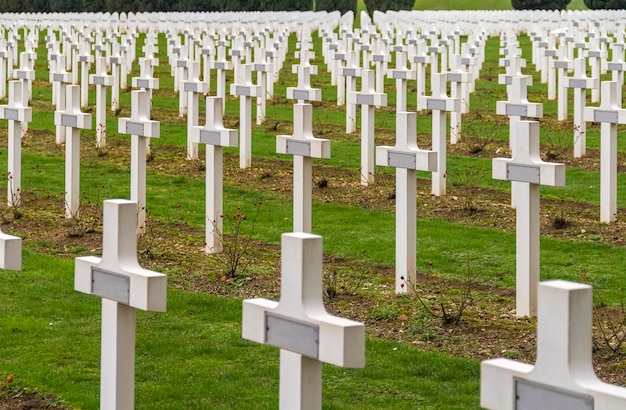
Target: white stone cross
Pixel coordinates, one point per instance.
(368, 99)
(401, 74)
(563, 376)
(60, 78)
(617, 66)
(349, 74)
(300, 326)
(407, 158)
(421, 62)
(303, 146)
(221, 65)
(580, 83)
(17, 113)
(5, 67)
(124, 286)
(85, 58)
(596, 55)
(304, 92)
(263, 70)
(182, 74)
(457, 77)
(73, 120)
(215, 136)
(339, 58)
(527, 168)
(562, 66)
(609, 114)
(101, 80)
(244, 88)
(513, 67)
(115, 60)
(380, 58)
(439, 103)
(194, 89)
(141, 128)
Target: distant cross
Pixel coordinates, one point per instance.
(609, 115)
(215, 136)
(61, 78)
(527, 168)
(124, 286)
(368, 99)
(115, 60)
(244, 88)
(421, 61)
(16, 112)
(562, 66)
(456, 77)
(26, 75)
(194, 89)
(85, 58)
(439, 103)
(580, 83)
(304, 147)
(102, 80)
(617, 66)
(563, 376)
(73, 120)
(407, 158)
(221, 65)
(300, 326)
(349, 74)
(401, 74)
(263, 71)
(141, 128)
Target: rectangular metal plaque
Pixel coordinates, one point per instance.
(436, 105)
(523, 173)
(401, 160)
(98, 80)
(206, 51)
(534, 396)
(181, 63)
(11, 114)
(259, 67)
(455, 78)
(550, 53)
(110, 285)
(615, 66)
(143, 83)
(378, 57)
(292, 335)
(299, 148)
(115, 60)
(300, 94)
(349, 72)
(190, 87)
(69, 120)
(400, 75)
(21, 74)
(58, 77)
(134, 128)
(508, 79)
(516, 109)
(210, 137)
(419, 59)
(240, 90)
(605, 116)
(365, 99)
(561, 64)
(594, 54)
(83, 59)
(578, 83)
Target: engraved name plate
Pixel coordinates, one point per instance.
(143, 83)
(69, 120)
(11, 114)
(300, 94)
(110, 285)
(291, 334)
(516, 109)
(534, 396)
(401, 160)
(605, 116)
(578, 83)
(523, 173)
(210, 137)
(299, 148)
(436, 105)
(365, 99)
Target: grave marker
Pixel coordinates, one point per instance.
(124, 286)
(368, 99)
(194, 88)
(609, 115)
(580, 83)
(60, 78)
(527, 168)
(73, 120)
(141, 128)
(244, 88)
(101, 80)
(215, 136)
(407, 158)
(563, 376)
(300, 326)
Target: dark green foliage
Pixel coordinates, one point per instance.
(286, 5)
(66, 5)
(343, 6)
(605, 4)
(540, 4)
(384, 5)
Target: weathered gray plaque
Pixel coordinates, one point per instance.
(534, 396)
(578, 83)
(379, 57)
(240, 90)
(190, 87)
(419, 59)
(114, 60)
(561, 64)
(614, 66)
(508, 80)
(83, 59)
(299, 148)
(292, 335)
(22, 74)
(523, 173)
(454, 77)
(401, 160)
(11, 114)
(365, 99)
(69, 120)
(594, 54)
(300, 94)
(399, 74)
(220, 65)
(258, 67)
(550, 53)
(134, 128)
(58, 77)
(210, 137)
(181, 63)
(143, 83)
(97, 80)
(516, 109)
(206, 51)
(605, 116)
(349, 72)
(436, 105)
(110, 285)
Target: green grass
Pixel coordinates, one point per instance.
(193, 355)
